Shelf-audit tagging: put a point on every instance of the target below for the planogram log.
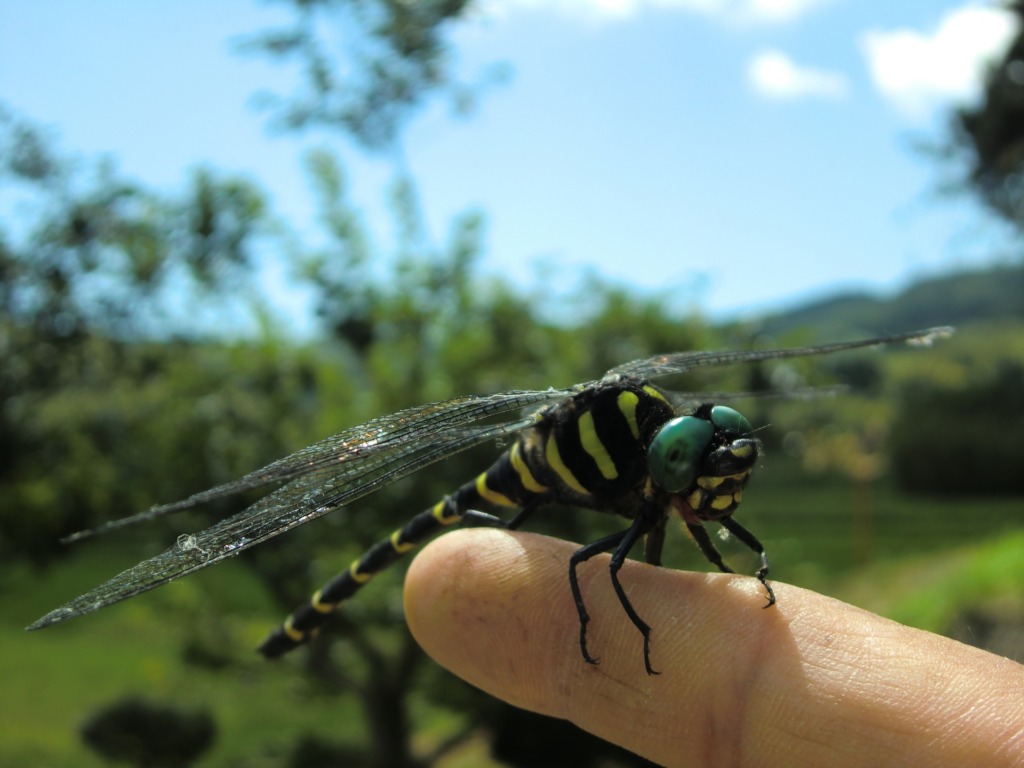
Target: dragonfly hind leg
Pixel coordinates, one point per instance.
(485, 519)
(621, 542)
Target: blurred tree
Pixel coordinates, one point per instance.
(426, 330)
(366, 66)
(993, 132)
(94, 253)
(419, 332)
(149, 735)
(95, 271)
(962, 439)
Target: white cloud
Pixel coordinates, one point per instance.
(918, 71)
(751, 11)
(591, 10)
(775, 75)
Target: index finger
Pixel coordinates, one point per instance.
(812, 681)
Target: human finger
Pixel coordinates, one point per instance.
(811, 681)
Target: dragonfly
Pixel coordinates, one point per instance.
(619, 444)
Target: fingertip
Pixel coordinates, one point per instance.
(488, 605)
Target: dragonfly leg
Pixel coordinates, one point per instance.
(752, 541)
(621, 542)
(632, 534)
(581, 555)
(523, 515)
(655, 542)
(483, 519)
(493, 521)
(707, 548)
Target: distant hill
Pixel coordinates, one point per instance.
(956, 299)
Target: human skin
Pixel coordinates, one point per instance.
(809, 682)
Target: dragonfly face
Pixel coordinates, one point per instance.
(719, 487)
(705, 460)
(616, 444)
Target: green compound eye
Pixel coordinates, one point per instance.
(731, 421)
(676, 452)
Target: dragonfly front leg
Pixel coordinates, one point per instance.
(754, 543)
(635, 531)
(707, 548)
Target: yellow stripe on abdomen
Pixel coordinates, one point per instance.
(359, 578)
(493, 497)
(525, 475)
(295, 635)
(439, 514)
(401, 547)
(554, 459)
(320, 605)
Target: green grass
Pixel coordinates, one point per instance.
(53, 679)
(932, 591)
(822, 530)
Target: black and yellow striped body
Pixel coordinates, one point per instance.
(588, 450)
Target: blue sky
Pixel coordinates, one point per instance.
(746, 154)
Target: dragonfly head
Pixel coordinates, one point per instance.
(704, 460)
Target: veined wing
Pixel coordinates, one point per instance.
(323, 477)
(357, 454)
(682, 362)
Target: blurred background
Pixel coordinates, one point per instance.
(230, 229)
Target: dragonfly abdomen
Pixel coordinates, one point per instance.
(509, 482)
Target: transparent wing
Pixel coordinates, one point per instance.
(358, 453)
(685, 402)
(321, 478)
(681, 362)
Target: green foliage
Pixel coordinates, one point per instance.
(112, 417)
(366, 67)
(95, 254)
(149, 735)
(96, 271)
(962, 440)
(939, 591)
(104, 416)
(992, 133)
